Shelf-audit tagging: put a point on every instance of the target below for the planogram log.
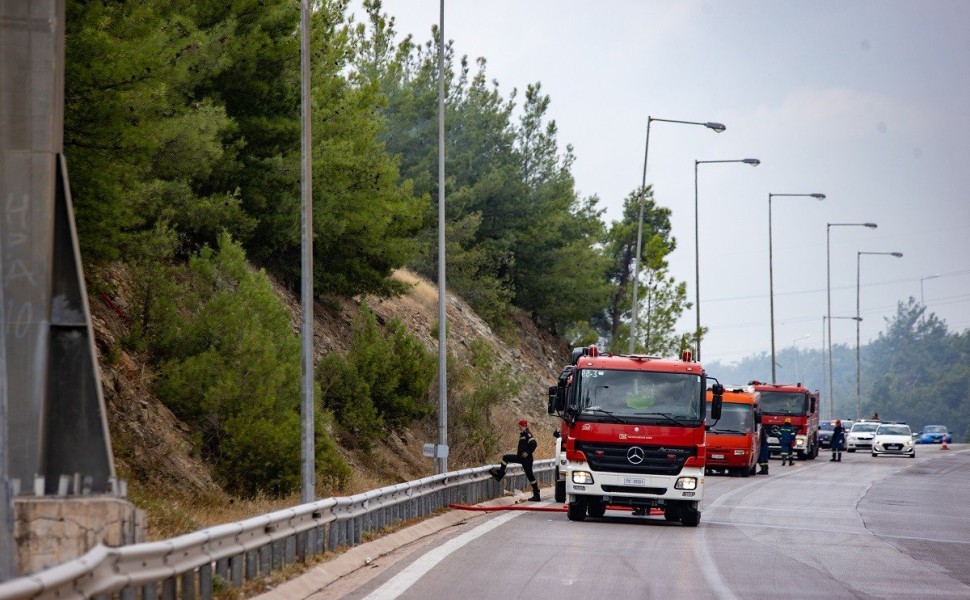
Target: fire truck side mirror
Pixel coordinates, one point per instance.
(716, 400)
(557, 399)
(757, 417)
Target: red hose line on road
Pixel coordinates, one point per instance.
(510, 507)
(653, 511)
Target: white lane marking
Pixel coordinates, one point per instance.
(399, 584)
(708, 567)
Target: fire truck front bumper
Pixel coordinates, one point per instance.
(634, 489)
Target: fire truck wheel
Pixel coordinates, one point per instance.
(560, 490)
(690, 517)
(672, 513)
(576, 511)
(597, 509)
(745, 471)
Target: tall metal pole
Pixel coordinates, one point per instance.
(823, 361)
(697, 245)
(771, 294)
(715, 127)
(636, 257)
(828, 296)
(442, 458)
(858, 319)
(771, 278)
(8, 561)
(828, 291)
(858, 352)
(697, 270)
(307, 412)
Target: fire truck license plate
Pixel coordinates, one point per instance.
(634, 481)
(721, 456)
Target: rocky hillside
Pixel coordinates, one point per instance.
(154, 451)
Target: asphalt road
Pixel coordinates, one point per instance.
(887, 527)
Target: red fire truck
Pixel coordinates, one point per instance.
(780, 401)
(633, 434)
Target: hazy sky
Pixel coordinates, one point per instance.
(867, 102)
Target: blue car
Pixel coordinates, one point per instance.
(934, 434)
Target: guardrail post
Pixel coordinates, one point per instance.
(149, 592)
(188, 585)
(205, 581)
(236, 570)
(252, 564)
(289, 550)
(265, 559)
(277, 555)
(222, 569)
(301, 545)
(168, 589)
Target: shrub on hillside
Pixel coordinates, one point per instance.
(382, 382)
(230, 367)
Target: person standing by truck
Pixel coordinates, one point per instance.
(786, 438)
(764, 452)
(523, 456)
(838, 439)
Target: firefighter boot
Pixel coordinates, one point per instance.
(498, 474)
(764, 469)
(535, 493)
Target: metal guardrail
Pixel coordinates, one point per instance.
(195, 565)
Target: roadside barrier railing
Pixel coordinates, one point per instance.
(196, 565)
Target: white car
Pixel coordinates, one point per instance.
(894, 438)
(860, 436)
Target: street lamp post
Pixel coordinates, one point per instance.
(858, 355)
(831, 400)
(441, 449)
(307, 412)
(715, 127)
(771, 275)
(828, 290)
(921, 280)
(754, 162)
(798, 377)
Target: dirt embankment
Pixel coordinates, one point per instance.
(155, 451)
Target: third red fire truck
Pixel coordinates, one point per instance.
(780, 401)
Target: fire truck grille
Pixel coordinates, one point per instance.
(626, 489)
(635, 458)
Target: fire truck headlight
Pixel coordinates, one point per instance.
(799, 441)
(582, 477)
(740, 452)
(686, 483)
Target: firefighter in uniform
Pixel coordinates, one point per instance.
(523, 456)
(786, 437)
(838, 438)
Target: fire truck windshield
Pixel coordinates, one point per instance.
(783, 403)
(735, 418)
(605, 394)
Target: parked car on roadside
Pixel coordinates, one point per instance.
(934, 434)
(893, 438)
(861, 434)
